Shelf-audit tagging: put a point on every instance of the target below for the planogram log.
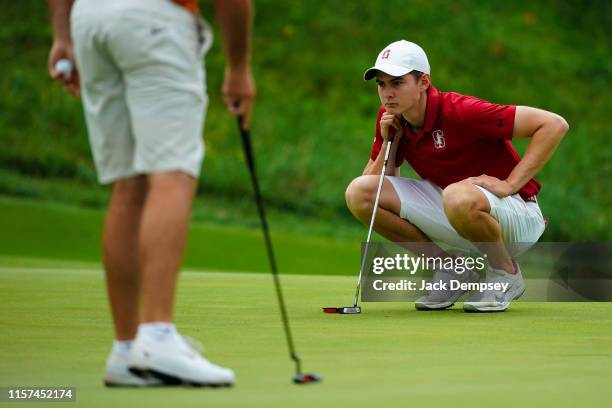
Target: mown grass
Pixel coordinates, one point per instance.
(57, 332)
(31, 229)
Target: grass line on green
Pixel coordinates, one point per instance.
(33, 229)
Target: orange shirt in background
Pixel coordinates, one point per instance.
(191, 5)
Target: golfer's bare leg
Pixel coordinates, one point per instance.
(120, 252)
(469, 212)
(360, 197)
(163, 234)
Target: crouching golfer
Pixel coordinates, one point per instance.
(474, 187)
(140, 69)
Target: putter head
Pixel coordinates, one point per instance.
(306, 378)
(343, 310)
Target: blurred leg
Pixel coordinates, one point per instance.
(163, 235)
(120, 250)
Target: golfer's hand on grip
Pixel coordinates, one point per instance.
(239, 92)
(387, 121)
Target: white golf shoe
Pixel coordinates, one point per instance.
(173, 361)
(118, 375)
(497, 300)
(443, 297)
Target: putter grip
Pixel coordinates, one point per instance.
(391, 134)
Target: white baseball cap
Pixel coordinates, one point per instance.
(399, 58)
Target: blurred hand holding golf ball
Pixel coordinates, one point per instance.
(64, 67)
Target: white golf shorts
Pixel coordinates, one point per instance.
(521, 222)
(142, 84)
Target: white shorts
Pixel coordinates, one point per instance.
(521, 222)
(142, 83)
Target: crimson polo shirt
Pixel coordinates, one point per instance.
(462, 137)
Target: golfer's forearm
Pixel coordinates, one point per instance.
(235, 19)
(543, 144)
(59, 10)
(375, 168)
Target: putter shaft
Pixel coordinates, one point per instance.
(373, 218)
(248, 152)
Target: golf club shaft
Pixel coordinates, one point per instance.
(367, 245)
(248, 152)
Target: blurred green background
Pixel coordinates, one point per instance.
(314, 118)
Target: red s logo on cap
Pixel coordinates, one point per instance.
(385, 54)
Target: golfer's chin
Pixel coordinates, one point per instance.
(393, 109)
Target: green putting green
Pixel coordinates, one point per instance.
(43, 230)
(56, 332)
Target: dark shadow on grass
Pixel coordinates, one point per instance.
(408, 310)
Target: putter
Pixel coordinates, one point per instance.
(299, 377)
(355, 309)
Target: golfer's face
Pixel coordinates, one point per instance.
(397, 94)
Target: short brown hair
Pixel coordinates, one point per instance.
(416, 74)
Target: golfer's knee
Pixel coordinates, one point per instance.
(360, 195)
(461, 202)
(130, 190)
(174, 185)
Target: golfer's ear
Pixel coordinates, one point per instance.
(425, 81)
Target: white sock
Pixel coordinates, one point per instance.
(122, 346)
(159, 331)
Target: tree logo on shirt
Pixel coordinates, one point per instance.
(438, 139)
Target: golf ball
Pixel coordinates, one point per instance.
(64, 67)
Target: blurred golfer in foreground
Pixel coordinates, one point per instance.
(138, 66)
(474, 191)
